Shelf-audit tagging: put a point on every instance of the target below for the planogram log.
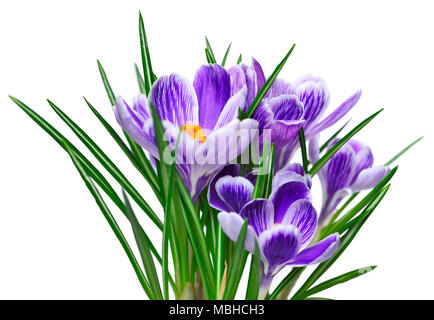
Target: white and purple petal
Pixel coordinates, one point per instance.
(313, 93)
(213, 89)
(231, 224)
(279, 245)
(235, 192)
(317, 253)
(302, 215)
(213, 198)
(369, 178)
(335, 116)
(287, 194)
(175, 100)
(134, 124)
(260, 214)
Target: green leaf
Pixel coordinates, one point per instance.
(254, 275)
(146, 170)
(267, 85)
(303, 149)
(365, 201)
(107, 86)
(219, 261)
(237, 264)
(337, 280)
(110, 219)
(397, 156)
(179, 199)
(197, 239)
(264, 179)
(148, 74)
(91, 170)
(59, 138)
(108, 165)
(295, 272)
(333, 136)
(167, 234)
(167, 231)
(226, 54)
(331, 152)
(211, 53)
(240, 58)
(145, 253)
(140, 80)
(208, 56)
(136, 149)
(345, 242)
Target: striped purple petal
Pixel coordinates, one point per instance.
(175, 100)
(260, 214)
(285, 195)
(369, 178)
(213, 89)
(279, 245)
(302, 215)
(234, 191)
(335, 116)
(313, 93)
(317, 253)
(213, 198)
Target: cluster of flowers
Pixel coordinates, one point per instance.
(202, 119)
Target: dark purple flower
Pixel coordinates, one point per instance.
(283, 225)
(288, 107)
(207, 113)
(349, 170)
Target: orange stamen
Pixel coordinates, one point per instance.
(195, 132)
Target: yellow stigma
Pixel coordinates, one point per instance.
(195, 132)
(277, 223)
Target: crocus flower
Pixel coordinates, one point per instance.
(206, 112)
(288, 107)
(349, 170)
(282, 226)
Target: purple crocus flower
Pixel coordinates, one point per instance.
(206, 111)
(288, 107)
(349, 170)
(283, 225)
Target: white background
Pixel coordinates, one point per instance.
(54, 242)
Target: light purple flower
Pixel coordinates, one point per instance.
(283, 225)
(288, 107)
(349, 170)
(206, 112)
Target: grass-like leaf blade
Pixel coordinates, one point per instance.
(303, 149)
(147, 171)
(110, 219)
(210, 51)
(254, 275)
(345, 242)
(249, 113)
(337, 280)
(330, 153)
(295, 272)
(237, 264)
(333, 136)
(107, 86)
(399, 154)
(226, 55)
(140, 80)
(145, 252)
(108, 165)
(148, 73)
(358, 207)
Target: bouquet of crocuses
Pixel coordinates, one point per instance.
(219, 155)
